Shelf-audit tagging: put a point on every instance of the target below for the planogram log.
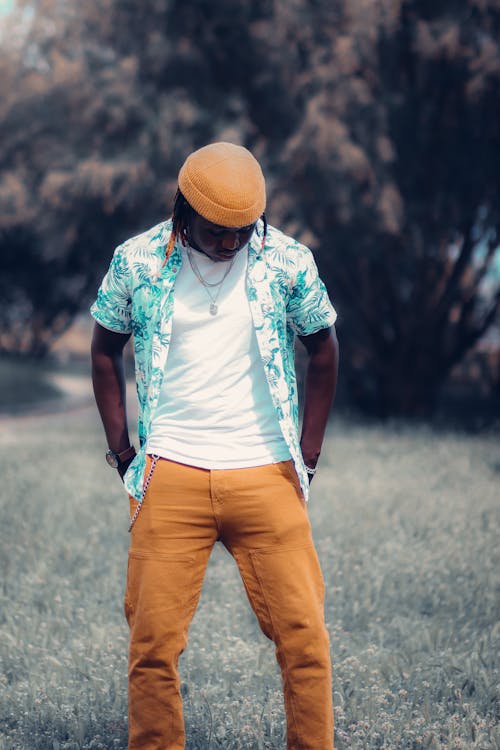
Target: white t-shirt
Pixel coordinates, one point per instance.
(215, 409)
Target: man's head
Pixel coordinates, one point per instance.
(221, 195)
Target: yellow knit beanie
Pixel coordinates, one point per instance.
(224, 183)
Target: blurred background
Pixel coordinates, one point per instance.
(377, 123)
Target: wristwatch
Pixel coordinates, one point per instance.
(116, 459)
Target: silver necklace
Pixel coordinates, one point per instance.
(213, 300)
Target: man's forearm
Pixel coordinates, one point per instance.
(109, 385)
(320, 386)
(108, 380)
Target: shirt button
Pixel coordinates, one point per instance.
(174, 269)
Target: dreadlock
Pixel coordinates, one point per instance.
(180, 217)
(264, 233)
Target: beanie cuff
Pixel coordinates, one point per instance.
(224, 183)
(216, 213)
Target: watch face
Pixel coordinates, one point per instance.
(112, 459)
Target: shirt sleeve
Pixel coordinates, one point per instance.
(112, 308)
(309, 308)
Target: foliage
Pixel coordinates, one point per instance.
(69, 175)
(376, 123)
(400, 186)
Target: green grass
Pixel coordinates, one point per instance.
(405, 521)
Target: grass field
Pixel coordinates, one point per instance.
(405, 521)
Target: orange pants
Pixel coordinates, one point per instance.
(260, 516)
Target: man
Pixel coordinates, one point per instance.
(214, 298)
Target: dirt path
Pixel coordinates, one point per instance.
(76, 401)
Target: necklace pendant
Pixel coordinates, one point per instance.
(213, 309)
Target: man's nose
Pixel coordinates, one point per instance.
(230, 241)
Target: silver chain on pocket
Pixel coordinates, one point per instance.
(144, 489)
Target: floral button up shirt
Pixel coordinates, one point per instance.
(286, 298)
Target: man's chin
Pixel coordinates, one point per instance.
(226, 256)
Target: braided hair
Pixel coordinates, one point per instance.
(181, 214)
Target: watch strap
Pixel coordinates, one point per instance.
(126, 454)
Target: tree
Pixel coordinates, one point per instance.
(409, 166)
(376, 123)
(65, 186)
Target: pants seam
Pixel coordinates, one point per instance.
(213, 503)
(278, 640)
(161, 556)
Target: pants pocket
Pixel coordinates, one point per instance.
(159, 583)
(288, 470)
(291, 583)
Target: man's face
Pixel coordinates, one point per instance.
(219, 243)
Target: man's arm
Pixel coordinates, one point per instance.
(108, 380)
(321, 382)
